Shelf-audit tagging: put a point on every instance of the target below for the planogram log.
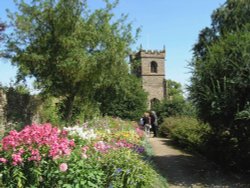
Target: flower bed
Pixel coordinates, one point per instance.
(102, 153)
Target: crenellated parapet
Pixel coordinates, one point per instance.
(142, 53)
(152, 54)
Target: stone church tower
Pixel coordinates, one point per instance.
(150, 67)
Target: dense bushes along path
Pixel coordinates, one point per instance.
(184, 170)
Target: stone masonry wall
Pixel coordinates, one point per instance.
(154, 86)
(3, 102)
(152, 82)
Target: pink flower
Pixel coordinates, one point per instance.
(71, 143)
(85, 149)
(63, 167)
(66, 151)
(35, 142)
(56, 157)
(17, 159)
(64, 133)
(139, 132)
(123, 144)
(102, 146)
(21, 151)
(3, 160)
(35, 155)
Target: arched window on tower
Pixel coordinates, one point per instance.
(153, 67)
(154, 103)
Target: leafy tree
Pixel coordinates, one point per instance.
(2, 28)
(175, 104)
(231, 17)
(68, 48)
(174, 89)
(124, 98)
(220, 83)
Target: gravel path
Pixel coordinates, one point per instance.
(183, 170)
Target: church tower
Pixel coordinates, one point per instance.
(150, 67)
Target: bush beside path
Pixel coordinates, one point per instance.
(186, 170)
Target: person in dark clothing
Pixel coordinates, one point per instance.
(154, 123)
(147, 123)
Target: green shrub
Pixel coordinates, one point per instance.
(186, 131)
(125, 168)
(48, 111)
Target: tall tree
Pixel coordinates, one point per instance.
(220, 83)
(218, 53)
(68, 48)
(2, 29)
(231, 17)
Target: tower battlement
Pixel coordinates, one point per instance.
(152, 51)
(142, 53)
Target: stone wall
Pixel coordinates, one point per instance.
(154, 86)
(3, 102)
(17, 109)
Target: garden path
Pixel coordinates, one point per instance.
(184, 170)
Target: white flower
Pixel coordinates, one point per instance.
(81, 132)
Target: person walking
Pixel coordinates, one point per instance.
(154, 123)
(147, 123)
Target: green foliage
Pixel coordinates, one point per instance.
(49, 111)
(2, 29)
(28, 175)
(231, 17)
(174, 88)
(244, 114)
(123, 98)
(126, 169)
(187, 132)
(68, 48)
(81, 173)
(168, 108)
(85, 111)
(136, 67)
(174, 104)
(220, 83)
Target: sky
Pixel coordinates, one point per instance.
(174, 24)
